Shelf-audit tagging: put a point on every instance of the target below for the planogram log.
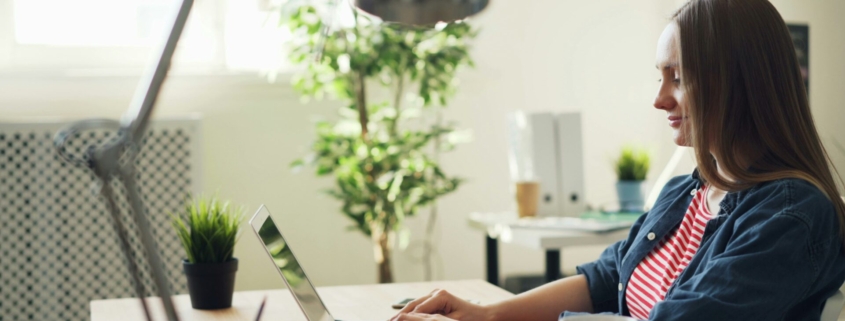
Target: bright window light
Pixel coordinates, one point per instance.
(254, 40)
(238, 35)
(91, 22)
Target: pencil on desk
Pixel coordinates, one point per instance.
(261, 309)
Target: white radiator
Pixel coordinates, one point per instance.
(58, 249)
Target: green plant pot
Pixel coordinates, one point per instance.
(630, 196)
(211, 285)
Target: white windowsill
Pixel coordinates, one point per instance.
(129, 72)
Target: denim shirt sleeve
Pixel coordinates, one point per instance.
(603, 274)
(759, 276)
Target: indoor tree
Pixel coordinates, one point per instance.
(382, 155)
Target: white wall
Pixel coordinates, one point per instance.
(827, 67)
(593, 56)
(596, 57)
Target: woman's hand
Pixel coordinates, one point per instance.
(448, 306)
(420, 317)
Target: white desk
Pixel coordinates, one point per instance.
(495, 229)
(356, 302)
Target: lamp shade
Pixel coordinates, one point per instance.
(421, 12)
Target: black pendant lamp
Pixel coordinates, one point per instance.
(421, 12)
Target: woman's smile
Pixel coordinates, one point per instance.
(675, 121)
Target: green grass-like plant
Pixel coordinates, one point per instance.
(632, 164)
(209, 230)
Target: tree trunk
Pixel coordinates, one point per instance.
(361, 103)
(397, 103)
(382, 251)
(428, 243)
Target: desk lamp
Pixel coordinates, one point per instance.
(114, 160)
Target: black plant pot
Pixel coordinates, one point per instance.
(211, 285)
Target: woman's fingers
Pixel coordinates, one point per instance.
(409, 317)
(436, 302)
(440, 302)
(413, 304)
(419, 317)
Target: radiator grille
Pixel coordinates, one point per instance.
(58, 249)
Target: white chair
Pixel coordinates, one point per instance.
(833, 306)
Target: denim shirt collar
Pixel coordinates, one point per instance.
(669, 216)
(666, 216)
(728, 204)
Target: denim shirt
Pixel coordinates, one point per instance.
(773, 252)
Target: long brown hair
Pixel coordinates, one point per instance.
(748, 106)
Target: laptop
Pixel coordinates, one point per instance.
(289, 268)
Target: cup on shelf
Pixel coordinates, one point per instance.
(527, 198)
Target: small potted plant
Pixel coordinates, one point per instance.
(208, 230)
(631, 169)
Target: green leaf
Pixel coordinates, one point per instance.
(632, 164)
(211, 230)
(389, 175)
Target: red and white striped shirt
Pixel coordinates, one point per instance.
(659, 269)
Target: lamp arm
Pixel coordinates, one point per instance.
(122, 235)
(127, 175)
(116, 159)
(136, 119)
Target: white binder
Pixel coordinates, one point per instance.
(547, 148)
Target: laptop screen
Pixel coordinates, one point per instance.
(283, 258)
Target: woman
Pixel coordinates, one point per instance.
(755, 233)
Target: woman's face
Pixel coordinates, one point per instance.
(670, 96)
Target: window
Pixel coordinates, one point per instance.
(96, 23)
(122, 34)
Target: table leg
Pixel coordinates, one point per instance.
(552, 265)
(492, 246)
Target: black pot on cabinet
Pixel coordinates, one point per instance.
(211, 285)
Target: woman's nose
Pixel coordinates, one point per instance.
(664, 100)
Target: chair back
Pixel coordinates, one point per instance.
(833, 306)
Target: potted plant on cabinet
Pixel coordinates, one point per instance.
(631, 169)
(383, 156)
(208, 230)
